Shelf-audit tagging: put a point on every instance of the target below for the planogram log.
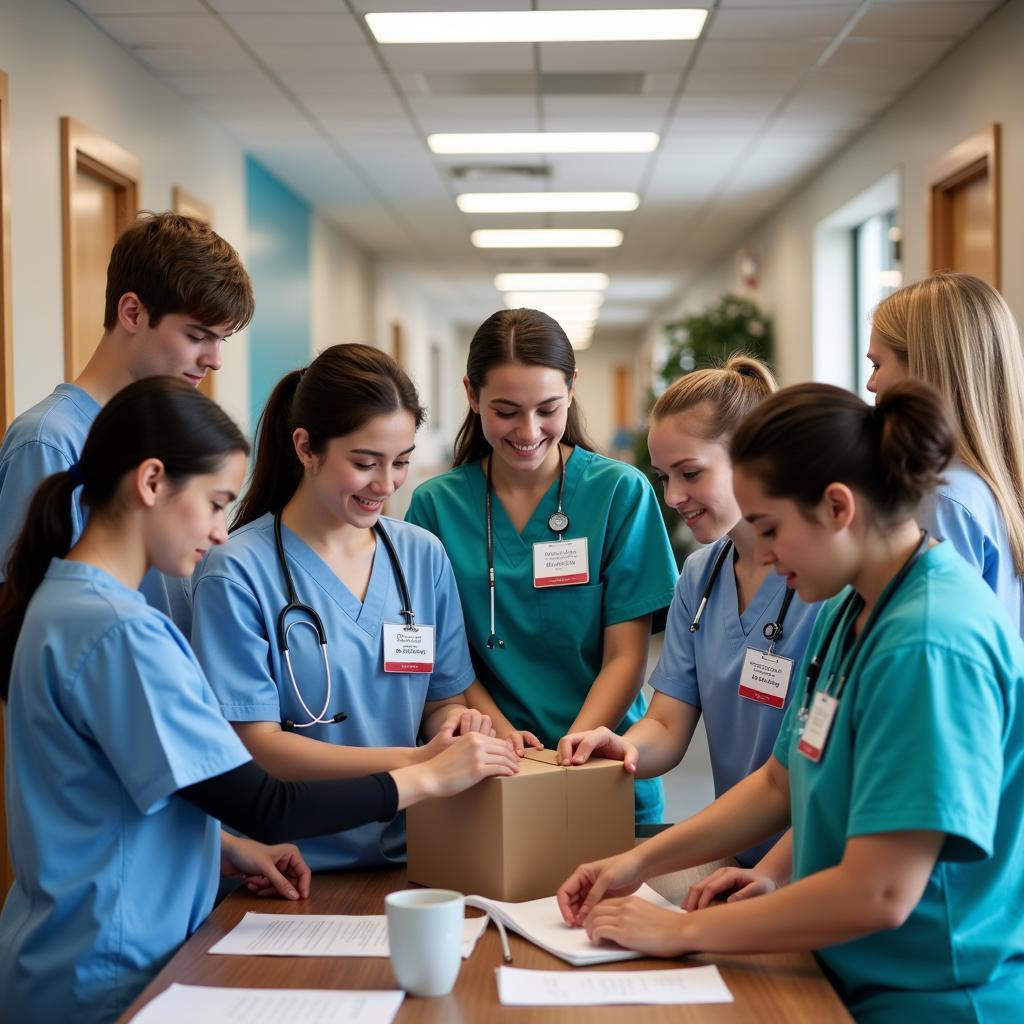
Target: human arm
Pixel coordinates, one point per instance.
(771, 872)
(264, 869)
(444, 719)
(875, 887)
(518, 739)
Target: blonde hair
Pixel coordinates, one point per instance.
(957, 333)
(728, 393)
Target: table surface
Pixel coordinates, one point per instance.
(784, 988)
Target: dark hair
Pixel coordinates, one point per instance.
(176, 264)
(525, 336)
(344, 388)
(157, 418)
(807, 436)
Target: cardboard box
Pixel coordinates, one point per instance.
(519, 837)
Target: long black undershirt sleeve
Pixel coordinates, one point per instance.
(259, 805)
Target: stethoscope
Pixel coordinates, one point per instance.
(314, 622)
(772, 631)
(848, 612)
(558, 522)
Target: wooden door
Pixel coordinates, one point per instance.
(964, 207)
(101, 186)
(6, 412)
(188, 205)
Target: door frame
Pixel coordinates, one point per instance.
(83, 149)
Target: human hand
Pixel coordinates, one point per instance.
(466, 762)
(589, 883)
(579, 747)
(745, 883)
(463, 720)
(264, 869)
(520, 739)
(634, 923)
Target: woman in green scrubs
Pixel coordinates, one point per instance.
(560, 554)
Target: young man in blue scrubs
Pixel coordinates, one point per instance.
(175, 290)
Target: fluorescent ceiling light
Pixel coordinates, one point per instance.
(550, 282)
(555, 300)
(542, 142)
(535, 26)
(547, 238)
(546, 202)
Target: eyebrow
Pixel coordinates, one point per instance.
(228, 494)
(202, 328)
(754, 516)
(379, 455)
(516, 405)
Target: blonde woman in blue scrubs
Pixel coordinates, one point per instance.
(899, 763)
(560, 554)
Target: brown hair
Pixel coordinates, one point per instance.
(176, 264)
(810, 435)
(957, 333)
(727, 393)
(525, 336)
(344, 388)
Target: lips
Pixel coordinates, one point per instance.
(194, 379)
(368, 504)
(525, 450)
(691, 517)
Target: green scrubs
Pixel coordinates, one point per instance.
(929, 734)
(554, 637)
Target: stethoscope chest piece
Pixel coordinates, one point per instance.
(558, 522)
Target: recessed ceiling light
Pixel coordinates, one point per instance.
(547, 238)
(546, 202)
(542, 142)
(535, 26)
(550, 282)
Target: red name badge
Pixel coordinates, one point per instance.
(818, 726)
(561, 563)
(408, 648)
(765, 678)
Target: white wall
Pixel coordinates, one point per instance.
(595, 387)
(980, 82)
(59, 63)
(342, 289)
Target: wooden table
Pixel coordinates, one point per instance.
(783, 988)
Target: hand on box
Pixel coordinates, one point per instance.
(746, 882)
(467, 761)
(519, 739)
(265, 870)
(462, 721)
(579, 747)
(634, 923)
(591, 883)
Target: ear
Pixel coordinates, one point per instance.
(131, 314)
(474, 403)
(839, 506)
(572, 384)
(150, 480)
(300, 441)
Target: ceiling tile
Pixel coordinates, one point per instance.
(358, 107)
(921, 20)
(752, 83)
(779, 22)
(325, 84)
(445, 57)
(297, 28)
(880, 53)
(312, 59)
(367, 6)
(275, 6)
(252, 84)
(491, 110)
(775, 55)
(202, 31)
(658, 56)
(98, 8)
(180, 61)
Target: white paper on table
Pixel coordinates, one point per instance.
(322, 935)
(518, 987)
(202, 1004)
(540, 921)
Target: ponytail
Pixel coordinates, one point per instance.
(811, 435)
(160, 417)
(344, 388)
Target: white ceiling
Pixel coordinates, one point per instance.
(768, 93)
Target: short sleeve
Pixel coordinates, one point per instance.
(638, 569)
(147, 705)
(929, 748)
(453, 669)
(952, 522)
(676, 671)
(24, 469)
(421, 512)
(230, 640)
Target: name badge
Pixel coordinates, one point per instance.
(765, 678)
(817, 727)
(561, 563)
(408, 650)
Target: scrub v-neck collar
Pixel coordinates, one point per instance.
(765, 603)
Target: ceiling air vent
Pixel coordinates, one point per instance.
(443, 83)
(469, 172)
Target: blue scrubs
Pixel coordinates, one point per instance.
(48, 439)
(109, 715)
(239, 591)
(964, 512)
(703, 668)
(554, 637)
(929, 735)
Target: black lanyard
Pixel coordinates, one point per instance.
(847, 616)
(772, 630)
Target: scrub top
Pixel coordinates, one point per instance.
(554, 637)
(109, 715)
(239, 591)
(48, 439)
(703, 668)
(929, 735)
(964, 511)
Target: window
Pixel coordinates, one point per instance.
(876, 274)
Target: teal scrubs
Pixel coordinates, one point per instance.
(554, 637)
(108, 716)
(929, 735)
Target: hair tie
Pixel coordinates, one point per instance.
(75, 472)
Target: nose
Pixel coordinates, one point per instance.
(383, 482)
(763, 553)
(675, 493)
(219, 533)
(211, 358)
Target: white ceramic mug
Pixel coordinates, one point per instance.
(425, 939)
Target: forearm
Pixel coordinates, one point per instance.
(777, 863)
(291, 756)
(610, 695)
(478, 697)
(659, 750)
(435, 712)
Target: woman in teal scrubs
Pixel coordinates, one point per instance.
(899, 761)
(560, 554)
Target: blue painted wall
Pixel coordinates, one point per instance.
(279, 229)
